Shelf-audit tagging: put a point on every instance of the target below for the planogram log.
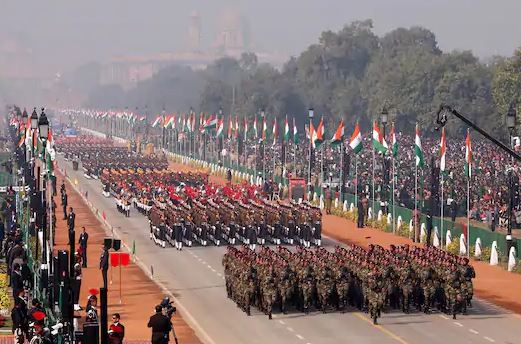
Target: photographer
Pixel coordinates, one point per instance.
(161, 326)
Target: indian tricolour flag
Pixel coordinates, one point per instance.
(286, 130)
(418, 148)
(245, 129)
(255, 131)
(338, 137)
(468, 156)
(319, 134)
(275, 131)
(378, 139)
(295, 132)
(156, 122)
(211, 122)
(50, 153)
(394, 143)
(356, 140)
(443, 150)
(220, 127)
(264, 129)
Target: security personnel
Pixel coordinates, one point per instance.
(161, 326)
(83, 241)
(64, 204)
(104, 264)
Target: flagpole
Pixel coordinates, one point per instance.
(415, 199)
(468, 212)
(356, 180)
(372, 191)
(393, 186)
(441, 224)
(341, 168)
(322, 166)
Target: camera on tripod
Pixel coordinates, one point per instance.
(168, 308)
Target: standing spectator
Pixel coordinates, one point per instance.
(19, 318)
(104, 264)
(71, 219)
(90, 308)
(361, 211)
(77, 275)
(2, 232)
(453, 210)
(16, 280)
(33, 316)
(83, 241)
(229, 176)
(64, 204)
(116, 330)
(329, 199)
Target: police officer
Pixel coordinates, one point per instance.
(161, 326)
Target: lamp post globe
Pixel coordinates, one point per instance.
(384, 116)
(34, 119)
(43, 125)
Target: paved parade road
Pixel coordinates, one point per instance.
(195, 277)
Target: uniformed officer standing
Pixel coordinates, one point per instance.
(83, 241)
(104, 264)
(161, 326)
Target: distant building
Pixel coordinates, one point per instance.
(233, 39)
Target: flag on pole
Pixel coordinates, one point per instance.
(264, 129)
(245, 129)
(156, 122)
(236, 133)
(255, 131)
(418, 148)
(394, 142)
(210, 123)
(468, 156)
(274, 132)
(220, 127)
(230, 127)
(286, 130)
(378, 139)
(443, 150)
(311, 133)
(319, 133)
(295, 132)
(338, 137)
(50, 153)
(356, 140)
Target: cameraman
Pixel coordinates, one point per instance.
(161, 326)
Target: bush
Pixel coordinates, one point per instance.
(454, 247)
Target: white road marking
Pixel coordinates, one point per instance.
(457, 323)
(299, 337)
(209, 266)
(444, 317)
(473, 331)
(282, 322)
(219, 274)
(489, 339)
(289, 329)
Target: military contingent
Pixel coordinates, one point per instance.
(374, 280)
(186, 209)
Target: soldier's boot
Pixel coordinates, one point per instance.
(375, 320)
(248, 312)
(269, 316)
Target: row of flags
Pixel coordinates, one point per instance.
(205, 123)
(30, 140)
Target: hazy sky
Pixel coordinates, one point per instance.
(65, 33)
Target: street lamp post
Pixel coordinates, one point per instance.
(263, 146)
(43, 130)
(511, 125)
(311, 113)
(384, 117)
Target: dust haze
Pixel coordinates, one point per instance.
(55, 53)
